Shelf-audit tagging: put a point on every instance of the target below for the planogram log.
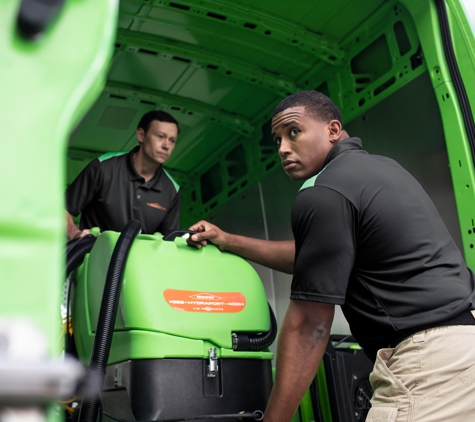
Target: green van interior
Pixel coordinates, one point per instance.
(74, 87)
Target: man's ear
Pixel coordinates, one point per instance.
(334, 130)
(140, 133)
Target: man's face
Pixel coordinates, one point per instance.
(303, 142)
(158, 142)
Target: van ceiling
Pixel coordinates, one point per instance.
(220, 67)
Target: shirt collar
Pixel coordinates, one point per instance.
(342, 146)
(155, 182)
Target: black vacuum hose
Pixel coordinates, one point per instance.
(106, 321)
(256, 342)
(242, 341)
(76, 250)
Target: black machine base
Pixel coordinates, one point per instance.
(180, 388)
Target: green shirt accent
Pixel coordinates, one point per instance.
(310, 182)
(108, 155)
(177, 186)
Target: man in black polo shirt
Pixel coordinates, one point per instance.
(118, 187)
(368, 238)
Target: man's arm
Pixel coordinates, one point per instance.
(303, 338)
(80, 193)
(72, 231)
(278, 255)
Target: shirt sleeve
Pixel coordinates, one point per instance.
(323, 223)
(83, 189)
(172, 219)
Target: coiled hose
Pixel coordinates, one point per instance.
(76, 250)
(241, 341)
(256, 342)
(105, 324)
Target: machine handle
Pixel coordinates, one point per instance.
(175, 233)
(36, 15)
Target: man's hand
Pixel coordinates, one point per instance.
(73, 232)
(278, 255)
(80, 233)
(208, 232)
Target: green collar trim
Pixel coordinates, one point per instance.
(310, 182)
(108, 155)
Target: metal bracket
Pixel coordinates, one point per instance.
(27, 376)
(213, 363)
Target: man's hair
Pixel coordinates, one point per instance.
(161, 116)
(317, 105)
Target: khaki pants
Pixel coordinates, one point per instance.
(429, 377)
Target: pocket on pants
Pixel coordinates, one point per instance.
(388, 388)
(382, 414)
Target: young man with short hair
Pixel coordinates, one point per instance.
(117, 187)
(368, 238)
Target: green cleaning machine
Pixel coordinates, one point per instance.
(189, 329)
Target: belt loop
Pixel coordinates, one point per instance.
(419, 337)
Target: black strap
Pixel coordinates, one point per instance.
(464, 318)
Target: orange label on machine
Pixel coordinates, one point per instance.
(197, 301)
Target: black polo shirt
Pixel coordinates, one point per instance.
(369, 238)
(109, 192)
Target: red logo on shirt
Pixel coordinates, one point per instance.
(155, 205)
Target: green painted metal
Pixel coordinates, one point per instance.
(221, 67)
(323, 396)
(353, 91)
(458, 149)
(200, 57)
(306, 408)
(46, 87)
(195, 278)
(304, 412)
(236, 123)
(231, 15)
